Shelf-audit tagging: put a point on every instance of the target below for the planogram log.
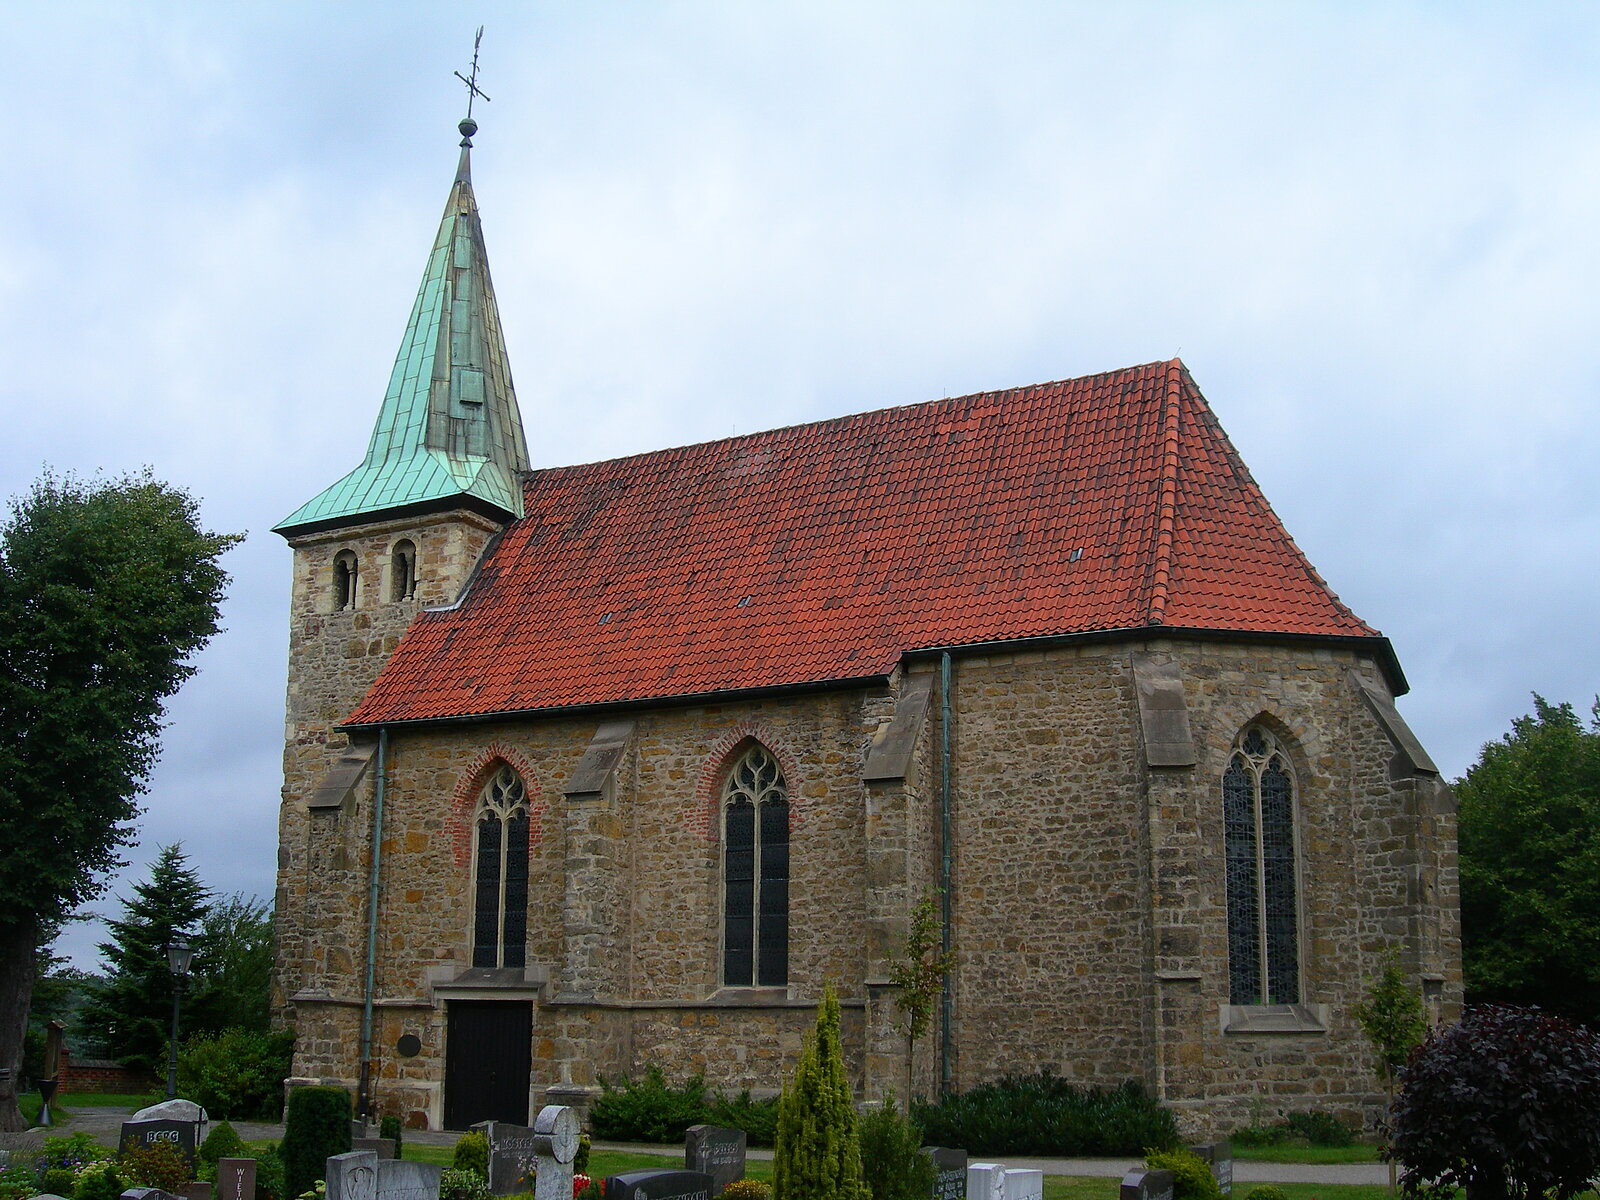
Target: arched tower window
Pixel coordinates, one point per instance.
(1258, 812)
(344, 580)
(403, 570)
(755, 872)
(500, 911)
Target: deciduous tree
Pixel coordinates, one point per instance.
(1530, 865)
(106, 589)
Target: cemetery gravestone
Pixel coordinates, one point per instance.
(1140, 1184)
(141, 1194)
(236, 1179)
(555, 1143)
(659, 1185)
(149, 1133)
(196, 1189)
(984, 1181)
(949, 1173)
(1220, 1156)
(512, 1160)
(381, 1146)
(353, 1176)
(402, 1180)
(715, 1151)
(1018, 1183)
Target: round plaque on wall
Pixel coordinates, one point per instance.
(409, 1045)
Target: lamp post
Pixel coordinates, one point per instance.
(179, 955)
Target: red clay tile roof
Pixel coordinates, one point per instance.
(825, 552)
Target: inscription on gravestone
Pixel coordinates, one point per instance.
(1220, 1156)
(659, 1185)
(511, 1158)
(150, 1133)
(402, 1180)
(949, 1173)
(236, 1179)
(353, 1176)
(715, 1151)
(1140, 1184)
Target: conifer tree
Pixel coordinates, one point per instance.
(817, 1152)
(131, 1012)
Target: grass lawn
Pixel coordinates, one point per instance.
(133, 1100)
(1307, 1154)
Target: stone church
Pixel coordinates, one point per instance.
(595, 767)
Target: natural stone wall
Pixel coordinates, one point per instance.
(1089, 895)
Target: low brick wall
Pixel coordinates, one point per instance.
(101, 1075)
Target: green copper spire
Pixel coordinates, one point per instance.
(449, 430)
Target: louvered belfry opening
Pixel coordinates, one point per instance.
(755, 872)
(1258, 812)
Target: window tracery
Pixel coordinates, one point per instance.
(1263, 919)
(755, 872)
(500, 910)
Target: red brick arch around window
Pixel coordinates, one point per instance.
(464, 801)
(706, 818)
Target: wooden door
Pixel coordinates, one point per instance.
(488, 1057)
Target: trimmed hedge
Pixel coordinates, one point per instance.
(317, 1128)
(1046, 1116)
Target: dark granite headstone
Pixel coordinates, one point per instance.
(715, 1151)
(148, 1133)
(659, 1185)
(511, 1158)
(949, 1173)
(236, 1179)
(1220, 1156)
(144, 1194)
(197, 1189)
(1140, 1184)
(381, 1146)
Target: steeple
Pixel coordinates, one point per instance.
(449, 433)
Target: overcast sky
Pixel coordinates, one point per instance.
(1369, 230)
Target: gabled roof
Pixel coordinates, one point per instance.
(449, 431)
(825, 552)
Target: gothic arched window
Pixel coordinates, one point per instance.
(403, 570)
(500, 912)
(344, 580)
(755, 872)
(1263, 928)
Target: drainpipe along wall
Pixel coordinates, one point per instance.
(946, 870)
(364, 1093)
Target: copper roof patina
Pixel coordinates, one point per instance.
(449, 430)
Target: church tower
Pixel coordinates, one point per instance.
(403, 531)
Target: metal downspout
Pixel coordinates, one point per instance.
(364, 1098)
(946, 999)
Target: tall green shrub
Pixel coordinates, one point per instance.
(817, 1155)
(649, 1109)
(317, 1127)
(222, 1142)
(892, 1163)
(237, 1073)
(471, 1154)
(391, 1128)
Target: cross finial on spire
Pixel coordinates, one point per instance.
(468, 126)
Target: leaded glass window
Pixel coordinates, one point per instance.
(755, 873)
(1258, 818)
(500, 865)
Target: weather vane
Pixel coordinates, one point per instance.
(469, 126)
